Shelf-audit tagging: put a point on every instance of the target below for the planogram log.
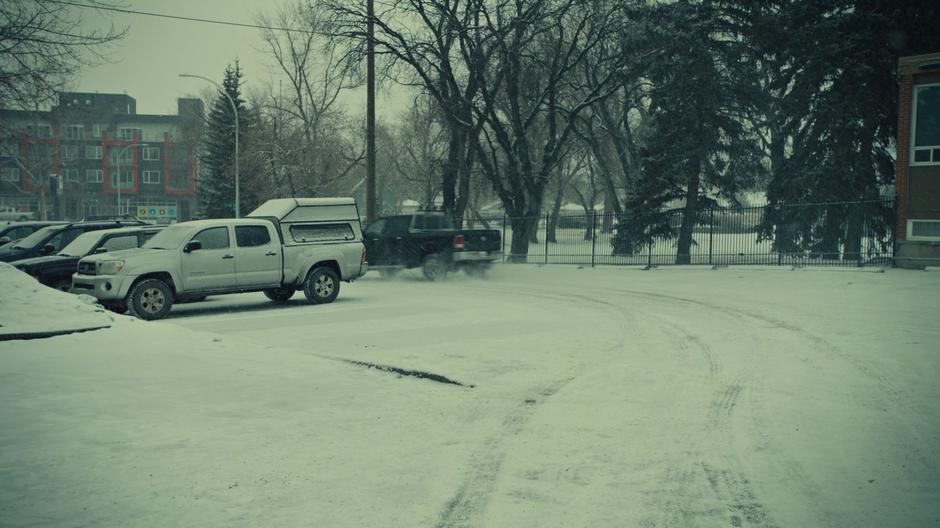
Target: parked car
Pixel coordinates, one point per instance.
(13, 231)
(10, 213)
(56, 270)
(429, 241)
(286, 245)
(52, 239)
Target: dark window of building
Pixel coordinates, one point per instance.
(927, 124)
(252, 236)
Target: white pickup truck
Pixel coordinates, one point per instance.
(286, 245)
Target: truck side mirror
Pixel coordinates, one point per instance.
(47, 249)
(101, 250)
(192, 245)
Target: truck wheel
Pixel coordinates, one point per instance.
(321, 286)
(280, 295)
(150, 299)
(434, 267)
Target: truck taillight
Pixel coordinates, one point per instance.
(458, 242)
(363, 259)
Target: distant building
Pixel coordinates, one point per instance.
(90, 150)
(918, 162)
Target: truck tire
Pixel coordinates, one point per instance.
(434, 267)
(150, 299)
(280, 295)
(321, 285)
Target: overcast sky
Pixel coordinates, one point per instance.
(147, 62)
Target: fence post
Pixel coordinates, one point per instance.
(711, 233)
(593, 236)
(546, 235)
(503, 240)
(649, 249)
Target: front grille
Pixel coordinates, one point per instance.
(80, 286)
(86, 268)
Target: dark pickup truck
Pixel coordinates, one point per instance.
(429, 241)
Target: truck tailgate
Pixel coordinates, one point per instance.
(481, 240)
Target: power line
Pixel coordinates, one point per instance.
(177, 17)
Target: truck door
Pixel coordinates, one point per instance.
(257, 256)
(396, 247)
(211, 267)
(375, 242)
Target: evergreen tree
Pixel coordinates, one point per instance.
(217, 186)
(835, 115)
(703, 89)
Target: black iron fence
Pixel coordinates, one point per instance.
(820, 234)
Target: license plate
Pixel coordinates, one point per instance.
(484, 253)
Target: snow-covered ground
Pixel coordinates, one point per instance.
(589, 397)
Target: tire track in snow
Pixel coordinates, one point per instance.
(471, 498)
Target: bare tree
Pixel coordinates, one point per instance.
(42, 45)
(308, 149)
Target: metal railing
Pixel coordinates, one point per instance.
(820, 234)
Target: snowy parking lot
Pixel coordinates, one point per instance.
(546, 396)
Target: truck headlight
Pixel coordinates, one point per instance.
(110, 267)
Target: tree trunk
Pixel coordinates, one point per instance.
(552, 227)
(449, 178)
(608, 224)
(521, 227)
(684, 244)
(853, 234)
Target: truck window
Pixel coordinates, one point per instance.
(252, 236)
(375, 228)
(213, 238)
(397, 225)
(432, 222)
(322, 232)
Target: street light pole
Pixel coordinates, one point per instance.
(234, 111)
(120, 156)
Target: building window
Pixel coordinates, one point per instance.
(94, 175)
(70, 175)
(151, 176)
(74, 132)
(10, 174)
(96, 130)
(42, 131)
(121, 178)
(93, 152)
(926, 141)
(118, 156)
(129, 133)
(151, 153)
(69, 152)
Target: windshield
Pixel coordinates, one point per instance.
(36, 238)
(170, 238)
(82, 245)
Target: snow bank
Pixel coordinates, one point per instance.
(28, 307)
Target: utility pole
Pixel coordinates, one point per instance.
(370, 114)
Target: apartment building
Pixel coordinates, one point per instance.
(93, 154)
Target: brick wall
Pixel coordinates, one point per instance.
(905, 107)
